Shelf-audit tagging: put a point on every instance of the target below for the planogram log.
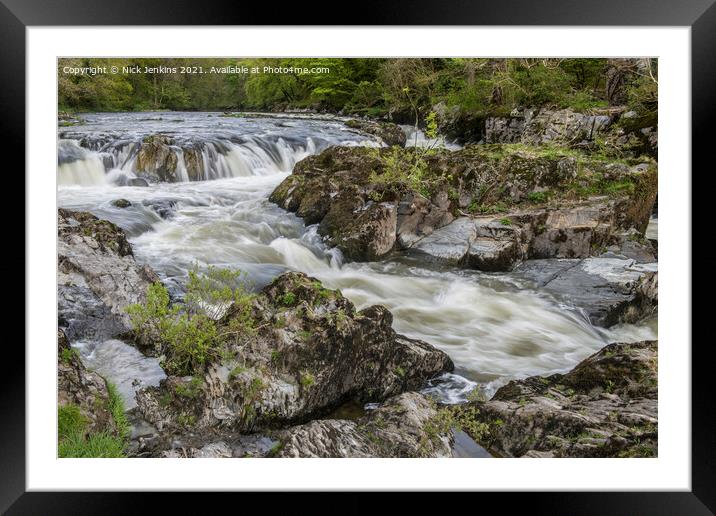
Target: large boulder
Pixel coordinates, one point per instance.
(162, 158)
(605, 407)
(97, 276)
(486, 207)
(312, 352)
(404, 426)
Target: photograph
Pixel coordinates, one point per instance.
(345, 257)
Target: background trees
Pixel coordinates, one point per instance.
(403, 89)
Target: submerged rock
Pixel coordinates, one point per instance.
(312, 352)
(401, 427)
(97, 276)
(121, 203)
(390, 133)
(605, 407)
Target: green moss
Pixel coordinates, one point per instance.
(307, 379)
(67, 354)
(288, 299)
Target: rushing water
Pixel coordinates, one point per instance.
(493, 327)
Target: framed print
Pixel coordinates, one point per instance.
(360, 258)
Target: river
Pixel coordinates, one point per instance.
(494, 327)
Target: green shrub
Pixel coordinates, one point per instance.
(189, 335)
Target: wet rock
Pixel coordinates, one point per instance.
(97, 275)
(81, 388)
(137, 181)
(401, 427)
(605, 407)
(156, 156)
(165, 208)
(81, 314)
(390, 133)
(609, 290)
(121, 203)
(498, 246)
(313, 352)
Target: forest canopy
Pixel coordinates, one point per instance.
(397, 88)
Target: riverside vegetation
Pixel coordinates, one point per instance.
(264, 336)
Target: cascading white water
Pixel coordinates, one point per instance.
(217, 148)
(78, 166)
(493, 327)
(416, 138)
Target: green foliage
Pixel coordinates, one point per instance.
(70, 421)
(95, 445)
(538, 197)
(188, 335)
(67, 354)
(74, 441)
(288, 299)
(190, 390)
(456, 417)
(116, 408)
(214, 290)
(409, 166)
(405, 87)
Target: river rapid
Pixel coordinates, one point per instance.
(493, 326)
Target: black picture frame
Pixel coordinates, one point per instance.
(700, 15)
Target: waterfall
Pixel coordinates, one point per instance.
(196, 147)
(78, 166)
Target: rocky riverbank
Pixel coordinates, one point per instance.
(605, 407)
(309, 352)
